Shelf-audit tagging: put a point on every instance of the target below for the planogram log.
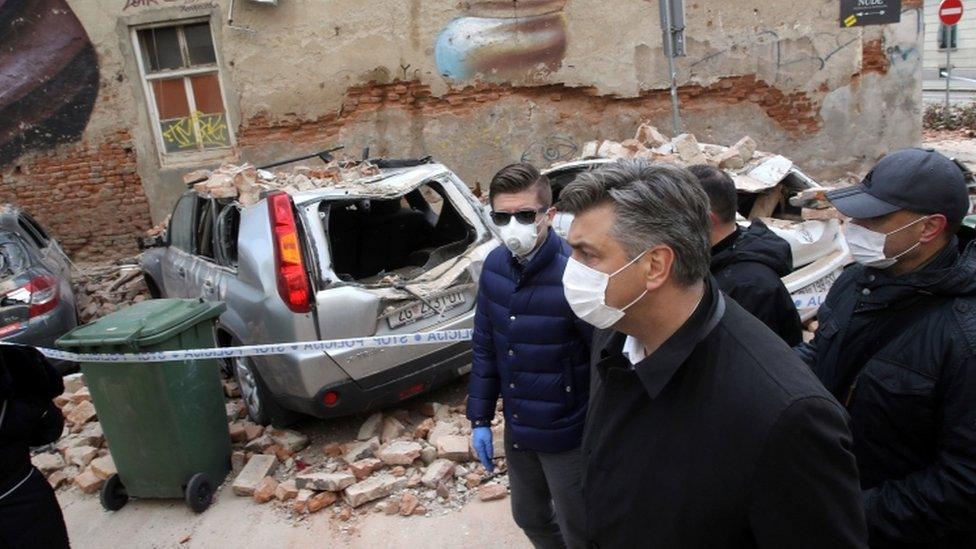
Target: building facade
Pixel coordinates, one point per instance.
(111, 102)
(960, 39)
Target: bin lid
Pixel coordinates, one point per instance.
(143, 324)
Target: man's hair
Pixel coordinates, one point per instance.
(720, 190)
(518, 177)
(655, 204)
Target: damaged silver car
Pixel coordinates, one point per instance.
(397, 251)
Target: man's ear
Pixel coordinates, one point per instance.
(656, 264)
(551, 214)
(934, 226)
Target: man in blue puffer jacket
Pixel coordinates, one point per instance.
(530, 348)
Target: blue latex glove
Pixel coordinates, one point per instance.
(481, 440)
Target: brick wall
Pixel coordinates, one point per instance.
(874, 58)
(88, 196)
(796, 113)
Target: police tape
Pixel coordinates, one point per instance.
(405, 340)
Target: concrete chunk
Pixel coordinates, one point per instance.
(333, 482)
(286, 490)
(454, 448)
(47, 463)
(688, 149)
(392, 429)
(401, 452)
(258, 467)
(373, 489)
(82, 413)
(650, 136)
(81, 455)
(746, 148)
(437, 472)
(291, 441)
(364, 467)
(361, 450)
(265, 490)
(371, 427)
(103, 467)
(88, 482)
(73, 383)
(491, 492)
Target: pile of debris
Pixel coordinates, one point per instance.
(80, 457)
(753, 171)
(411, 462)
(246, 184)
(102, 290)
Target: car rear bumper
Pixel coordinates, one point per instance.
(388, 387)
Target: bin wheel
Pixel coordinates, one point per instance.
(199, 493)
(113, 495)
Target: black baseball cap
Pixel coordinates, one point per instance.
(918, 180)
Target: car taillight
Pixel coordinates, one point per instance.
(40, 293)
(293, 285)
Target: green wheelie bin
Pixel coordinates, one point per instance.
(165, 422)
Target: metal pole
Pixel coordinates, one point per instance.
(672, 72)
(948, 73)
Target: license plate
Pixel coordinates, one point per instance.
(813, 295)
(420, 311)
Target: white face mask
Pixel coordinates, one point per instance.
(867, 246)
(586, 292)
(518, 238)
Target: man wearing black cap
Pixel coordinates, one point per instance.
(897, 346)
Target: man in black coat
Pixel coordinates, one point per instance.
(704, 429)
(897, 345)
(748, 263)
(29, 512)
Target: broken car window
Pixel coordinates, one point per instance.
(377, 241)
(181, 225)
(228, 224)
(204, 228)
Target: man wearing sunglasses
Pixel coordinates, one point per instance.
(531, 349)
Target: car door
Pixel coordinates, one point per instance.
(205, 275)
(180, 249)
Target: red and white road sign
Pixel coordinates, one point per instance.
(950, 12)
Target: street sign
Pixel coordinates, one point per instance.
(858, 13)
(950, 12)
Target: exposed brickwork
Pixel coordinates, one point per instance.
(874, 58)
(88, 196)
(906, 4)
(796, 113)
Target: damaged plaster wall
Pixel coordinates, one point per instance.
(540, 78)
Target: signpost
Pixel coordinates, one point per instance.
(673, 29)
(950, 13)
(857, 13)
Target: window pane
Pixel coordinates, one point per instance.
(206, 93)
(199, 44)
(160, 49)
(175, 122)
(171, 98)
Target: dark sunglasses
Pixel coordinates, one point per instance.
(525, 217)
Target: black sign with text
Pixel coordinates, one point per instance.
(857, 13)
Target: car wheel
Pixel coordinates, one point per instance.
(252, 390)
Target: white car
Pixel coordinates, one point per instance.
(820, 251)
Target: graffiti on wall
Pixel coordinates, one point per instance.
(500, 41)
(49, 81)
(181, 133)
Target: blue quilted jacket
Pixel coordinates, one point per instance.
(530, 348)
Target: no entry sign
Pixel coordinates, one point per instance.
(950, 12)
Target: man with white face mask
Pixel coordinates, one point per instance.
(704, 429)
(530, 349)
(897, 345)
